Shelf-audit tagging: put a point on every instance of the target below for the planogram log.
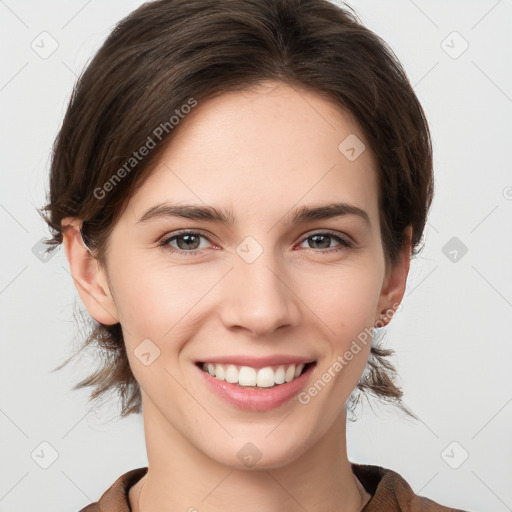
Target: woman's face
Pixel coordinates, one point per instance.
(263, 285)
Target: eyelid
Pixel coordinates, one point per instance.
(190, 231)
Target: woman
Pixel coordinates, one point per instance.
(239, 187)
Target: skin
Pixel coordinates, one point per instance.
(261, 153)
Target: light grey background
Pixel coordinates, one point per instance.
(452, 338)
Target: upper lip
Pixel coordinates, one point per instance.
(258, 362)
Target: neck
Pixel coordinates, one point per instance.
(180, 477)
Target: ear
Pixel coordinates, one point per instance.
(393, 288)
(89, 276)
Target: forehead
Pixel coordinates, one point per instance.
(268, 147)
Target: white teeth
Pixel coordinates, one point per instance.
(220, 372)
(231, 374)
(247, 376)
(279, 375)
(265, 378)
(290, 373)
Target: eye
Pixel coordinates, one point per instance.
(188, 242)
(322, 240)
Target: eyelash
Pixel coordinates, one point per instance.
(344, 243)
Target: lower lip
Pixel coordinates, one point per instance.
(256, 399)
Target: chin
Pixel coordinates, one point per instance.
(253, 453)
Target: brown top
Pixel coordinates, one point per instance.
(390, 492)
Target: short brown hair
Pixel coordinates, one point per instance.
(169, 51)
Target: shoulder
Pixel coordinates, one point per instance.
(392, 493)
(115, 498)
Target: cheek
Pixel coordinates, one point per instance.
(153, 299)
(344, 299)
(346, 310)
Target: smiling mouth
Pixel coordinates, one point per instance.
(262, 378)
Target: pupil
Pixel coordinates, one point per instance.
(315, 238)
(189, 239)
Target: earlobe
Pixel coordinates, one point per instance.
(394, 284)
(88, 275)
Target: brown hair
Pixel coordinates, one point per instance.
(171, 53)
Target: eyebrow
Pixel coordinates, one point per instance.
(303, 214)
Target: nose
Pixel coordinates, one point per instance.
(259, 298)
